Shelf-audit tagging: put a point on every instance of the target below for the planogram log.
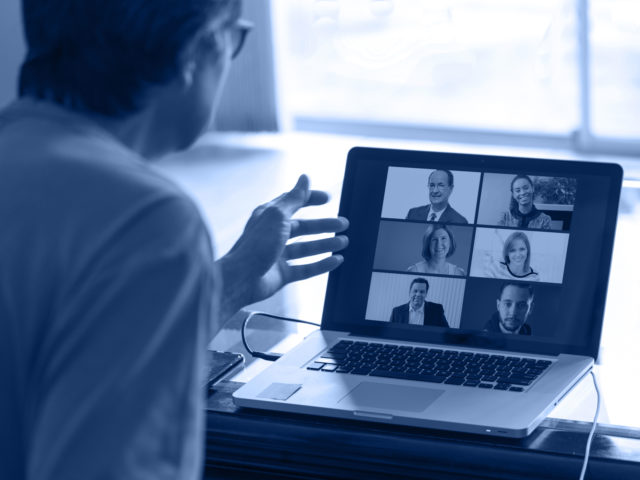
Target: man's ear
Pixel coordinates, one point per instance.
(188, 73)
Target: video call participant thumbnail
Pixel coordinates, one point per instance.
(418, 311)
(514, 305)
(438, 244)
(439, 210)
(522, 212)
(516, 260)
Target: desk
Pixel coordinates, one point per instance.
(248, 443)
(234, 167)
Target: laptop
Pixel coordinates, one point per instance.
(471, 297)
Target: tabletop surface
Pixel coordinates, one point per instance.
(246, 170)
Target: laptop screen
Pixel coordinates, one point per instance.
(505, 253)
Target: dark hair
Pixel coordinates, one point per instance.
(419, 280)
(517, 285)
(507, 245)
(513, 205)
(448, 172)
(426, 240)
(101, 56)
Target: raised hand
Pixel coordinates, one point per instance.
(257, 266)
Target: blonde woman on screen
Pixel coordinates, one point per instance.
(516, 260)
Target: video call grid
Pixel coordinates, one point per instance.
(475, 226)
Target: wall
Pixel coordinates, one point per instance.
(12, 48)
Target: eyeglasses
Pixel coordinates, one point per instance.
(237, 35)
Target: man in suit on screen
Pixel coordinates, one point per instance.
(418, 311)
(439, 210)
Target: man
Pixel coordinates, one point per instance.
(514, 306)
(108, 289)
(439, 210)
(418, 311)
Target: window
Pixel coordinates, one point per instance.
(516, 69)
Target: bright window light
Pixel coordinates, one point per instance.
(491, 64)
(615, 67)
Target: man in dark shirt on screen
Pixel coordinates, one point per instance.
(514, 306)
(418, 311)
(439, 210)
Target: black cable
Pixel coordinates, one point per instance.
(266, 356)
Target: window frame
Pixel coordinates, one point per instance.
(582, 140)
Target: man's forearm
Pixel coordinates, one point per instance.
(234, 293)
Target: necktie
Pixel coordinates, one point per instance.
(432, 217)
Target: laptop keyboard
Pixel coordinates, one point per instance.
(451, 367)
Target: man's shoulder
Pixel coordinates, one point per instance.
(492, 324)
(400, 308)
(98, 193)
(451, 215)
(418, 213)
(433, 306)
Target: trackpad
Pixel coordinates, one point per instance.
(391, 397)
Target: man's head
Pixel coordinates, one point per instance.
(514, 305)
(418, 292)
(115, 58)
(440, 188)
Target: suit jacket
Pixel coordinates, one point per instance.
(433, 314)
(448, 216)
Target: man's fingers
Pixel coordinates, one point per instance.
(315, 247)
(317, 197)
(319, 225)
(295, 198)
(302, 272)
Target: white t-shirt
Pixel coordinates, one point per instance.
(106, 296)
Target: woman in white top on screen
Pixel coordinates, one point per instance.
(438, 245)
(522, 212)
(516, 258)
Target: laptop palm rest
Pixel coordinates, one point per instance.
(390, 397)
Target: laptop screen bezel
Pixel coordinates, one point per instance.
(337, 317)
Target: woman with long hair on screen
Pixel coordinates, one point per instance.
(516, 260)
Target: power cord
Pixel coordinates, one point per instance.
(272, 357)
(593, 428)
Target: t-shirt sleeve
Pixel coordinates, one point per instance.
(119, 392)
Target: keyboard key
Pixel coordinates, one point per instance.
(333, 361)
(454, 381)
(315, 366)
(485, 385)
(329, 368)
(516, 389)
(515, 381)
(360, 371)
